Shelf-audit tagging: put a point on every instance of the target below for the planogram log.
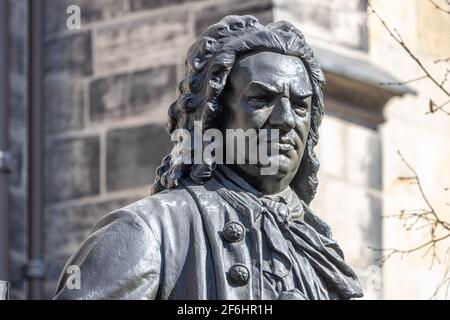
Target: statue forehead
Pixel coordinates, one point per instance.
(271, 68)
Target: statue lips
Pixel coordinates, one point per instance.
(284, 147)
(286, 144)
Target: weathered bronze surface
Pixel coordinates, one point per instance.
(225, 231)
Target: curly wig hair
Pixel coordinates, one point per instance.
(208, 64)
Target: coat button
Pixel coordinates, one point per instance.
(234, 232)
(239, 275)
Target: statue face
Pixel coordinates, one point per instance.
(270, 91)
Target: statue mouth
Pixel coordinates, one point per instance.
(284, 146)
(286, 143)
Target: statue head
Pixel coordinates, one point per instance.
(240, 75)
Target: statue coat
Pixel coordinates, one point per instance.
(200, 242)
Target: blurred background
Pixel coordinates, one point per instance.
(85, 87)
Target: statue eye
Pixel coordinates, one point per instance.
(300, 107)
(264, 99)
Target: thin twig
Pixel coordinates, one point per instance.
(439, 7)
(400, 41)
(433, 108)
(417, 248)
(401, 83)
(419, 186)
(420, 219)
(442, 60)
(445, 77)
(445, 280)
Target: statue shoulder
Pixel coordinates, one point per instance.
(121, 248)
(169, 200)
(126, 245)
(164, 209)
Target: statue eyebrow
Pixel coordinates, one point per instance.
(264, 86)
(301, 94)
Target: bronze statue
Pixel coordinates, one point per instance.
(225, 231)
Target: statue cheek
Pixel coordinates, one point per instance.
(257, 119)
(303, 126)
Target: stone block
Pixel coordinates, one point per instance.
(137, 5)
(18, 222)
(331, 147)
(16, 56)
(132, 94)
(212, 14)
(72, 169)
(70, 55)
(68, 226)
(350, 29)
(63, 103)
(142, 42)
(363, 156)
(133, 154)
(55, 12)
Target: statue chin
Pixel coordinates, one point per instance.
(281, 166)
(282, 171)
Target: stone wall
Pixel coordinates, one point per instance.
(342, 23)
(18, 141)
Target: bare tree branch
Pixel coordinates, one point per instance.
(442, 60)
(440, 222)
(433, 107)
(445, 77)
(439, 7)
(401, 83)
(397, 37)
(418, 219)
(445, 280)
(405, 47)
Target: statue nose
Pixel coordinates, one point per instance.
(282, 116)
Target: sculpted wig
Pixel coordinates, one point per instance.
(208, 64)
